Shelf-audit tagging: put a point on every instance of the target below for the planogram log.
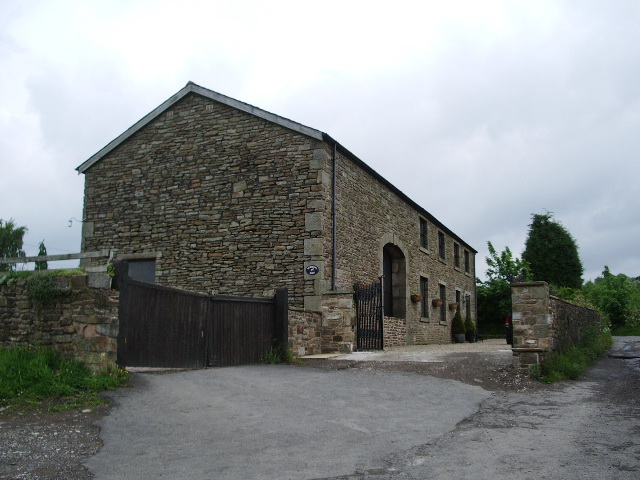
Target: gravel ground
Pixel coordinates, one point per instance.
(37, 444)
(486, 364)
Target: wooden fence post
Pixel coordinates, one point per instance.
(120, 283)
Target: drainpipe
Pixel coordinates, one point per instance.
(334, 240)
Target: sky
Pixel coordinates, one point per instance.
(484, 113)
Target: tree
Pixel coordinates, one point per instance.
(42, 250)
(615, 295)
(552, 253)
(11, 239)
(494, 295)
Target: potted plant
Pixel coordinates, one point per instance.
(453, 306)
(470, 329)
(416, 298)
(457, 328)
(436, 302)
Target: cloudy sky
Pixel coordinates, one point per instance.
(482, 112)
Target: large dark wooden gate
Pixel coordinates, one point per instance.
(242, 329)
(167, 327)
(161, 326)
(369, 315)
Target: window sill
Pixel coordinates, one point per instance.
(425, 320)
(425, 250)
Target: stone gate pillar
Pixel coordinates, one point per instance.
(532, 322)
(337, 322)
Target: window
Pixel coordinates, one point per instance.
(459, 300)
(441, 249)
(424, 291)
(143, 270)
(424, 237)
(467, 267)
(443, 305)
(456, 255)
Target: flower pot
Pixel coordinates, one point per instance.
(436, 302)
(416, 298)
(458, 337)
(471, 337)
(453, 306)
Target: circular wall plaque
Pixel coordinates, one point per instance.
(312, 269)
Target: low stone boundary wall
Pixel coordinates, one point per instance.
(83, 323)
(544, 324)
(570, 322)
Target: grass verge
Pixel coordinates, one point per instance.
(573, 362)
(31, 376)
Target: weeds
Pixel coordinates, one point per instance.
(42, 289)
(278, 355)
(572, 363)
(30, 376)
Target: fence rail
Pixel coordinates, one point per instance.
(54, 258)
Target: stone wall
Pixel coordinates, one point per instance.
(222, 200)
(370, 215)
(544, 324)
(305, 332)
(570, 322)
(83, 323)
(395, 332)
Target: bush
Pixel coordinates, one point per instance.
(457, 326)
(631, 325)
(469, 326)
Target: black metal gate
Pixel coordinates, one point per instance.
(369, 315)
(167, 327)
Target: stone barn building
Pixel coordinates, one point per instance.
(210, 194)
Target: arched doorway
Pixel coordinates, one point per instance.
(395, 281)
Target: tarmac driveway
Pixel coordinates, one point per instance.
(375, 420)
(274, 422)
